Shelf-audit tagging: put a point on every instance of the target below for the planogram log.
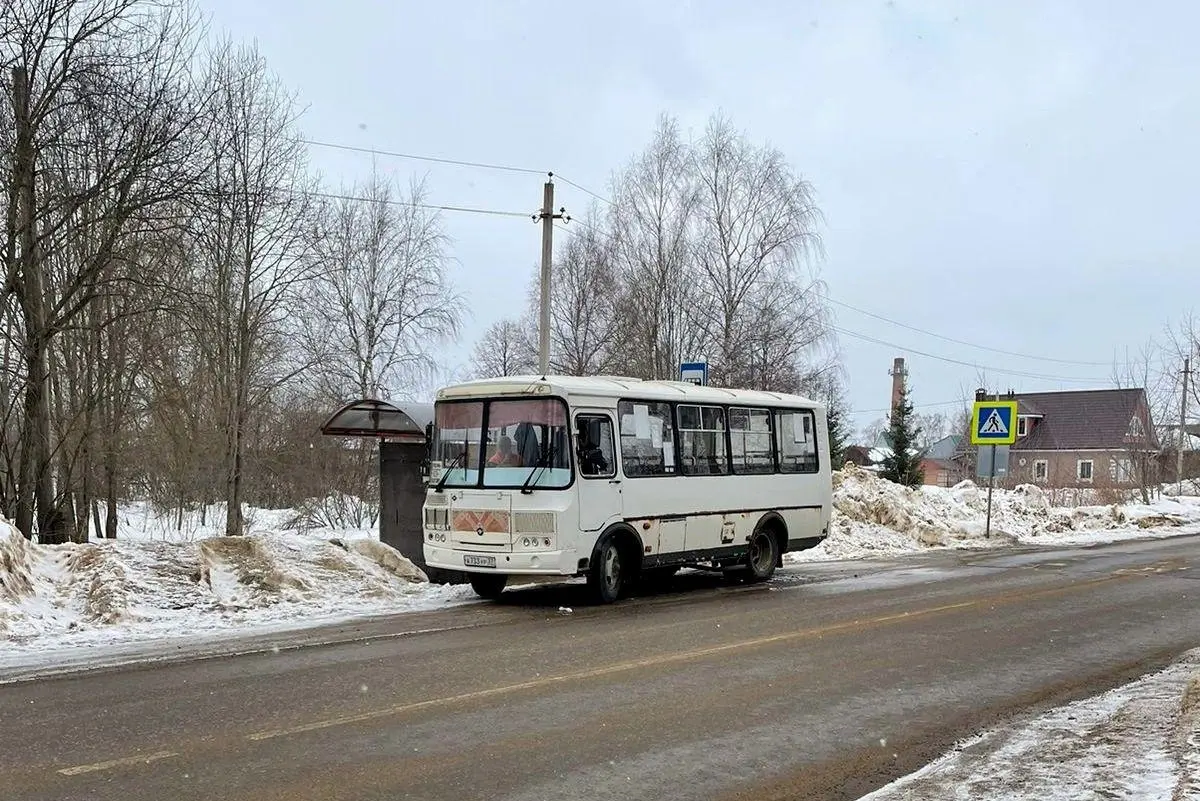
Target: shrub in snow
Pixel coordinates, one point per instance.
(336, 510)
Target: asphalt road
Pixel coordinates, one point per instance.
(826, 683)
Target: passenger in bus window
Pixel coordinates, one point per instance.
(504, 456)
(591, 457)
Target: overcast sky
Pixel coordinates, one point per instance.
(1016, 175)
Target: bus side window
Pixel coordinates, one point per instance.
(647, 438)
(795, 437)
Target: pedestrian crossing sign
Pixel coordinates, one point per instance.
(994, 423)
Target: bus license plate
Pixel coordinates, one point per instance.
(478, 561)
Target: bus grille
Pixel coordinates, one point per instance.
(533, 522)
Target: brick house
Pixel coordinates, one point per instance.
(1084, 438)
(943, 463)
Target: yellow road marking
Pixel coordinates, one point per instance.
(655, 661)
(118, 763)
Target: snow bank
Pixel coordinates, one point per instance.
(1139, 741)
(121, 590)
(875, 517)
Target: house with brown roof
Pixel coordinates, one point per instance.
(1084, 438)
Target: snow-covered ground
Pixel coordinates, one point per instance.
(874, 517)
(1140, 741)
(157, 583)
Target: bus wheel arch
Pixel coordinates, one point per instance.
(774, 523)
(628, 562)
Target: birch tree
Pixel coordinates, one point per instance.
(382, 301)
(250, 247)
(506, 348)
(584, 303)
(756, 227)
(655, 202)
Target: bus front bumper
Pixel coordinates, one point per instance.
(535, 563)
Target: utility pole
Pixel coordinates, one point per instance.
(1183, 432)
(547, 218)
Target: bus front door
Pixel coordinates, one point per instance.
(599, 486)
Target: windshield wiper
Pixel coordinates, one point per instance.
(441, 485)
(547, 455)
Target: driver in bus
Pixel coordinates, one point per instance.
(505, 455)
(591, 457)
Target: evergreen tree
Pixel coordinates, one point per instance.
(903, 464)
(838, 433)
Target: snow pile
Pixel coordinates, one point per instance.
(1139, 741)
(875, 517)
(122, 590)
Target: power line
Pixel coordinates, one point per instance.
(430, 206)
(483, 165)
(915, 406)
(584, 189)
(964, 342)
(1020, 373)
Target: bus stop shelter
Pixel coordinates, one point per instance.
(402, 430)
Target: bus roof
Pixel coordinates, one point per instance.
(619, 387)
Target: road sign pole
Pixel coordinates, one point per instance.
(987, 531)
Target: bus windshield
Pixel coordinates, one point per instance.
(503, 444)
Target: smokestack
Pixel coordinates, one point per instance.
(898, 374)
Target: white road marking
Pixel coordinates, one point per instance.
(138, 759)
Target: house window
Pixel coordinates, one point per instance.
(1022, 426)
(1136, 429)
(1083, 470)
(1121, 471)
(1041, 470)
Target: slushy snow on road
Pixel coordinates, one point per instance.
(1140, 741)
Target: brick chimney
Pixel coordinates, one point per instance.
(898, 374)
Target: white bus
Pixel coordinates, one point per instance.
(617, 478)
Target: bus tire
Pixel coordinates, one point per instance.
(763, 555)
(609, 572)
(488, 585)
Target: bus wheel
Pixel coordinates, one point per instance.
(606, 579)
(763, 555)
(488, 585)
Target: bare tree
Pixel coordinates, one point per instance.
(1145, 369)
(655, 201)
(250, 247)
(756, 227)
(382, 300)
(104, 119)
(506, 348)
(585, 294)
(934, 427)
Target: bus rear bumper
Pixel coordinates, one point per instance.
(537, 563)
